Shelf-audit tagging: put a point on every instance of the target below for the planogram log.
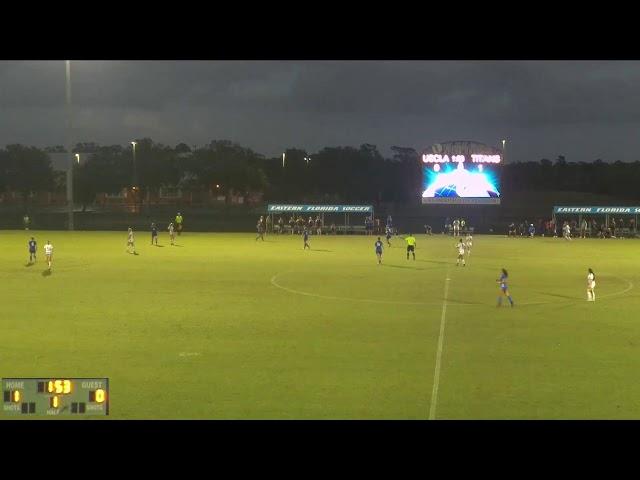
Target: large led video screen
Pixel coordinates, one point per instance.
(463, 179)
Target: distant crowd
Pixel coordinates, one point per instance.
(584, 229)
(315, 226)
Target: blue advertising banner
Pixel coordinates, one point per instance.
(276, 208)
(598, 210)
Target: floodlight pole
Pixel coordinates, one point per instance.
(504, 142)
(69, 146)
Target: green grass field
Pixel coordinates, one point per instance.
(224, 327)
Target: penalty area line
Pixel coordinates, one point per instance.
(436, 373)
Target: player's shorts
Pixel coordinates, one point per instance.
(129, 242)
(378, 252)
(503, 288)
(32, 251)
(410, 248)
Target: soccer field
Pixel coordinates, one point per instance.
(224, 327)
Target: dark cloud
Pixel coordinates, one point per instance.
(583, 110)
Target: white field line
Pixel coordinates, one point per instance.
(436, 373)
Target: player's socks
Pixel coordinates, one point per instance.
(510, 300)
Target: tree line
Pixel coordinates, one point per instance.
(332, 175)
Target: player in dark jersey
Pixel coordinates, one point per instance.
(154, 234)
(378, 246)
(305, 236)
(32, 250)
(503, 287)
(388, 233)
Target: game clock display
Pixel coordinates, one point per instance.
(55, 396)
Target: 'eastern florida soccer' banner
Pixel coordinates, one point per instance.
(598, 210)
(279, 208)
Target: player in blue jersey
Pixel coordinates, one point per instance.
(503, 287)
(378, 246)
(305, 236)
(32, 250)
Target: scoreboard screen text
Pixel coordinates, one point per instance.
(55, 396)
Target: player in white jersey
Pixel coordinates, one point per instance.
(468, 243)
(566, 231)
(48, 253)
(460, 248)
(131, 243)
(456, 227)
(172, 233)
(591, 286)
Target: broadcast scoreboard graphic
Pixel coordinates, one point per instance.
(55, 396)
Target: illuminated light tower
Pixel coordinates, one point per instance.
(78, 158)
(504, 142)
(135, 169)
(283, 156)
(135, 178)
(69, 141)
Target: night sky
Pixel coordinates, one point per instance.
(582, 110)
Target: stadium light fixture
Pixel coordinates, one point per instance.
(78, 158)
(283, 156)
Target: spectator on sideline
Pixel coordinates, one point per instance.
(583, 228)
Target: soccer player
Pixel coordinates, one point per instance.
(468, 243)
(460, 247)
(260, 228)
(532, 230)
(305, 236)
(388, 232)
(172, 233)
(32, 250)
(378, 245)
(591, 285)
(411, 246)
(503, 287)
(179, 223)
(566, 231)
(48, 253)
(456, 227)
(131, 246)
(154, 234)
(27, 221)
